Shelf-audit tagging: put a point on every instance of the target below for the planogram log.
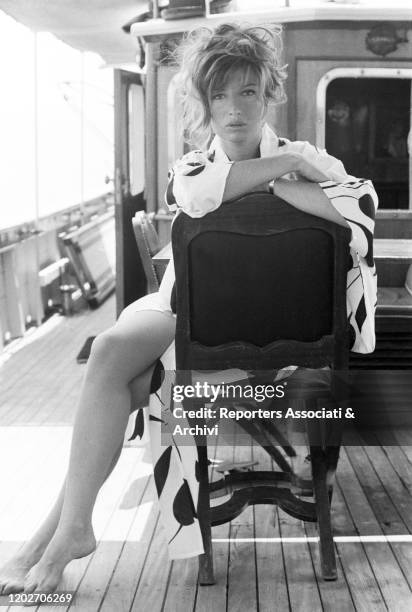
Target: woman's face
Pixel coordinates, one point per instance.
(238, 111)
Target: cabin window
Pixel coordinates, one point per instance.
(136, 138)
(367, 124)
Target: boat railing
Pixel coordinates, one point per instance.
(37, 274)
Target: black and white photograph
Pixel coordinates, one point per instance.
(206, 305)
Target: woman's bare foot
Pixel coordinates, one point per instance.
(66, 545)
(13, 573)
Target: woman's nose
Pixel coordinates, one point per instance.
(234, 110)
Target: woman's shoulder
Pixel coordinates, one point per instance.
(192, 162)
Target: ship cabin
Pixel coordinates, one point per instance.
(348, 90)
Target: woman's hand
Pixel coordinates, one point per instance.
(296, 162)
(309, 171)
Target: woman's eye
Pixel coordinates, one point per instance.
(217, 96)
(249, 92)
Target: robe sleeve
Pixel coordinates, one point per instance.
(329, 165)
(356, 201)
(196, 184)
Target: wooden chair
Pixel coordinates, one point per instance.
(260, 286)
(148, 245)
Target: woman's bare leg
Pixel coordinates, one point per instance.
(118, 357)
(13, 573)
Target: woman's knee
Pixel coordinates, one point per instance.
(131, 346)
(106, 346)
(110, 359)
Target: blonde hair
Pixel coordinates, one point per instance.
(206, 59)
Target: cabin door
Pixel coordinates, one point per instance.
(129, 184)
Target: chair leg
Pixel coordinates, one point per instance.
(326, 545)
(206, 574)
(332, 458)
(332, 454)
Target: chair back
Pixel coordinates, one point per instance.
(148, 245)
(260, 285)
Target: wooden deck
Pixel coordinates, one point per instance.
(264, 559)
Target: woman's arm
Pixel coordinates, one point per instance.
(198, 185)
(309, 198)
(246, 176)
(329, 165)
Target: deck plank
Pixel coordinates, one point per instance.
(334, 595)
(386, 493)
(112, 521)
(18, 446)
(390, 501)
(26, 510)
(38, 398)
(399, 461)
(59, 335)
(86, 595)
(21, 353)
(242, 555)
(300, 574)
(47, 364)
(181, 590)
(392, 582)
(152, 587)
(270, 569)
(214, 597)
(124, 581)
(358, 573)
(403, 437)
(29, 498)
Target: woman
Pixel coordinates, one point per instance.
(228, 79)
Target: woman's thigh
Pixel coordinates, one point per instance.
(134, 343)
